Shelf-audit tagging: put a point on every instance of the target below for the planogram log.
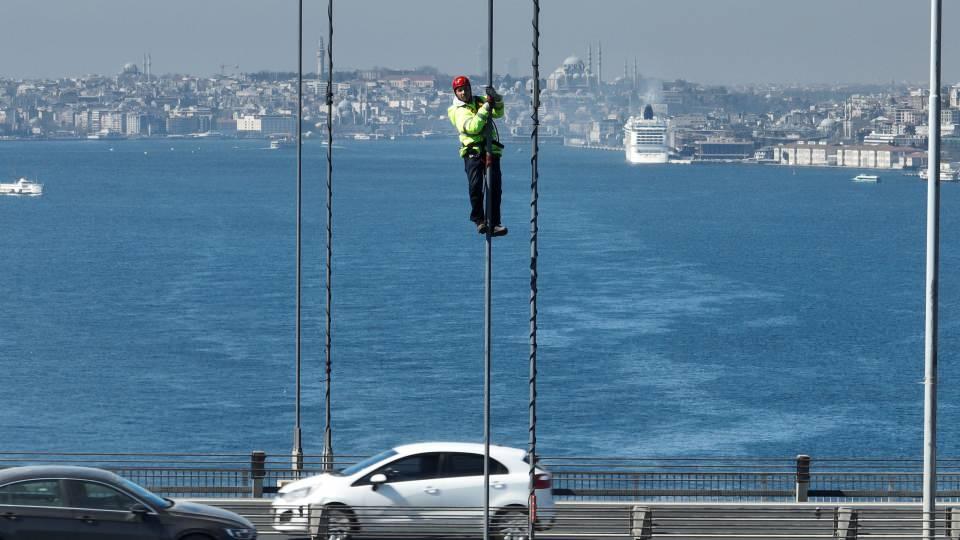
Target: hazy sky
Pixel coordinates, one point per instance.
(711, 41)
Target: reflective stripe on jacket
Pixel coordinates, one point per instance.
(470, 120)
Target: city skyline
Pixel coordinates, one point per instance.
(725, 42)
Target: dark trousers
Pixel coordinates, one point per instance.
(474, 166)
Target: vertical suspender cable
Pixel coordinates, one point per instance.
(933, 255)
(327, 431)
(534, 230)
(297, 455)
(487, 179)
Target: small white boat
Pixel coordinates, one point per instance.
(286, 142)
(361, 137)
(22, 187)
(866, 178)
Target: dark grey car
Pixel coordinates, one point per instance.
(82, 503)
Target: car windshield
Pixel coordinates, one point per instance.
(357, 467)
(146, 495)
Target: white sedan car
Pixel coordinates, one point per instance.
(425, 488)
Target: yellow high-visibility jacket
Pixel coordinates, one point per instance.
(470, 119)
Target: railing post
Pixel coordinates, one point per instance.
(953, 524)
(845, 523)
(641, 523)
(258, 470)
(803, 477)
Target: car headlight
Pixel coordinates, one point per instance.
(294, 495)
(242, 534)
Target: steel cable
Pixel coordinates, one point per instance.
(534, 224)
(327, 431)
(297, 457)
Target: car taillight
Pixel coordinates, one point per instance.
(541, 481)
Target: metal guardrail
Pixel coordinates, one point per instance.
(675, 521)
(574, 479)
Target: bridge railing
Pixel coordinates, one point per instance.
(615, 480)
(687, 521)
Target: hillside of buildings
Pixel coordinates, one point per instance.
(842, 125)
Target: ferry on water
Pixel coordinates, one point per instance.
(645, 138)
(866, 178)
(948, 172)
(282, 142)
(22, 187)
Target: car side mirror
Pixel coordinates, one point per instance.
(138, 511)
(377, 479)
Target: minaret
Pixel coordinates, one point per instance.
(599, 63)
(589, 59)
(320, 65)
(149, 63)
(636, 73)
(320, 62)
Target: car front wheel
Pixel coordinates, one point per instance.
(338, 522)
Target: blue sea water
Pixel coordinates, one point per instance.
(148, 303)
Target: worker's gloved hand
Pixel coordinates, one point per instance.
(491, 97)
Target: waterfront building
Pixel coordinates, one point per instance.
(182, 125)
(722, 150)
(854, 156)
(278, 124)
(804, 155)
(112, 121)
(872, 157)
(131, 123)
(606, 131)
(92, 120)
(248, 125)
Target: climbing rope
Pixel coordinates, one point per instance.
(327, 433)
(534, 198)
(488, 287)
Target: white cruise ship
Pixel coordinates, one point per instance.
(645, 138)
(22, 187)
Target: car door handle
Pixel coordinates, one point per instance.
(498, 485)
(11, 516)
(431, 490)
(87, 519)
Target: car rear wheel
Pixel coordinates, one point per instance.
(512, 525)
(338, 523)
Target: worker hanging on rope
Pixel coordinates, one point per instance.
(470, 114)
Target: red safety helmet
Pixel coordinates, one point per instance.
(460, 81)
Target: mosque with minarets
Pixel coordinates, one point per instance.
(575, 75)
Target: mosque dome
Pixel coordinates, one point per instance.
(130, 68)
(573, 61)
